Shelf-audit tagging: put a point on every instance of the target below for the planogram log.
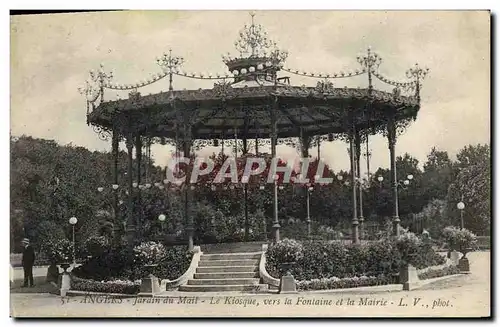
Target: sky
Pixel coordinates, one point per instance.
(51, 56)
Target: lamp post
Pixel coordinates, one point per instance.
(308, 209)
(162, 218)
(402, 183)
(73, 222)
(461, 207)
(115, 216)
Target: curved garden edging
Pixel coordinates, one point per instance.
(444, 265)
(167, 284)
(266, 278)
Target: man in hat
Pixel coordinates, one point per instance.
(28, 261)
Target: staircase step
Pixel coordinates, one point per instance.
(218, 288)
(220, 263)
(227, 281)
(231, 256)
(226, 269)
(239, 247)
(225, 275)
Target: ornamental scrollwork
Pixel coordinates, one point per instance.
(199, 144)
(222, 89)
(134, 96)
(104, 134)
(324, 87)
(288, 141)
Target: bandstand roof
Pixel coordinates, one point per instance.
(247, 101)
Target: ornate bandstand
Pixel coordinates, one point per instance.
(252, 105)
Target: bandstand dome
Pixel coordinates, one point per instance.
(254, 96)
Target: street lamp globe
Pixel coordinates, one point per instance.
(100, 189)
(73, 220)
(340, 177)
(380, 178)
(162, 217)
(406, 182)
(460, 205)
(115, 186)
(410, 177)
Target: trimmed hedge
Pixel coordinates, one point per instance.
(339, 283)
(333, 259)
(120, 263)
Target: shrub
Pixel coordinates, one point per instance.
(149, 252)
(112, 263)
(121, 263)
(46, 232)
(434, 273)
(174, 262)
(95, 246)
(427, 257)
(408, 245)
(459, 239)
(114, 286)
(58, 251)
(319, 260)
(286, 250)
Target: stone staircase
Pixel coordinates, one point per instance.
(226, 272)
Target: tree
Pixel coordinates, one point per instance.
(379, 194)
(472, 185)
(437, 176)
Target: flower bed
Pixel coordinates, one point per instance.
(113, 286)
(435, 273)
(339, 283)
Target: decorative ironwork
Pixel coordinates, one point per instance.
(407, 86)
(340, 74)
(371, 61)
(90, 92)
(170, 63)
(253, 40)
(417, 73)
(222, 89)
(199, 144)
(101, 77)
(324, 87)
(103, 133)
(289, 141)
(278, 57)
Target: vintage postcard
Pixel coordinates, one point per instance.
(250, 164)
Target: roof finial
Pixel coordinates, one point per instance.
(252, 14)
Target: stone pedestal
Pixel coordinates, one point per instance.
(287, 285)
(408, 277)
(454, 257)
(150, 286)
(52, 274)
(463, 265)
(65, 283)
